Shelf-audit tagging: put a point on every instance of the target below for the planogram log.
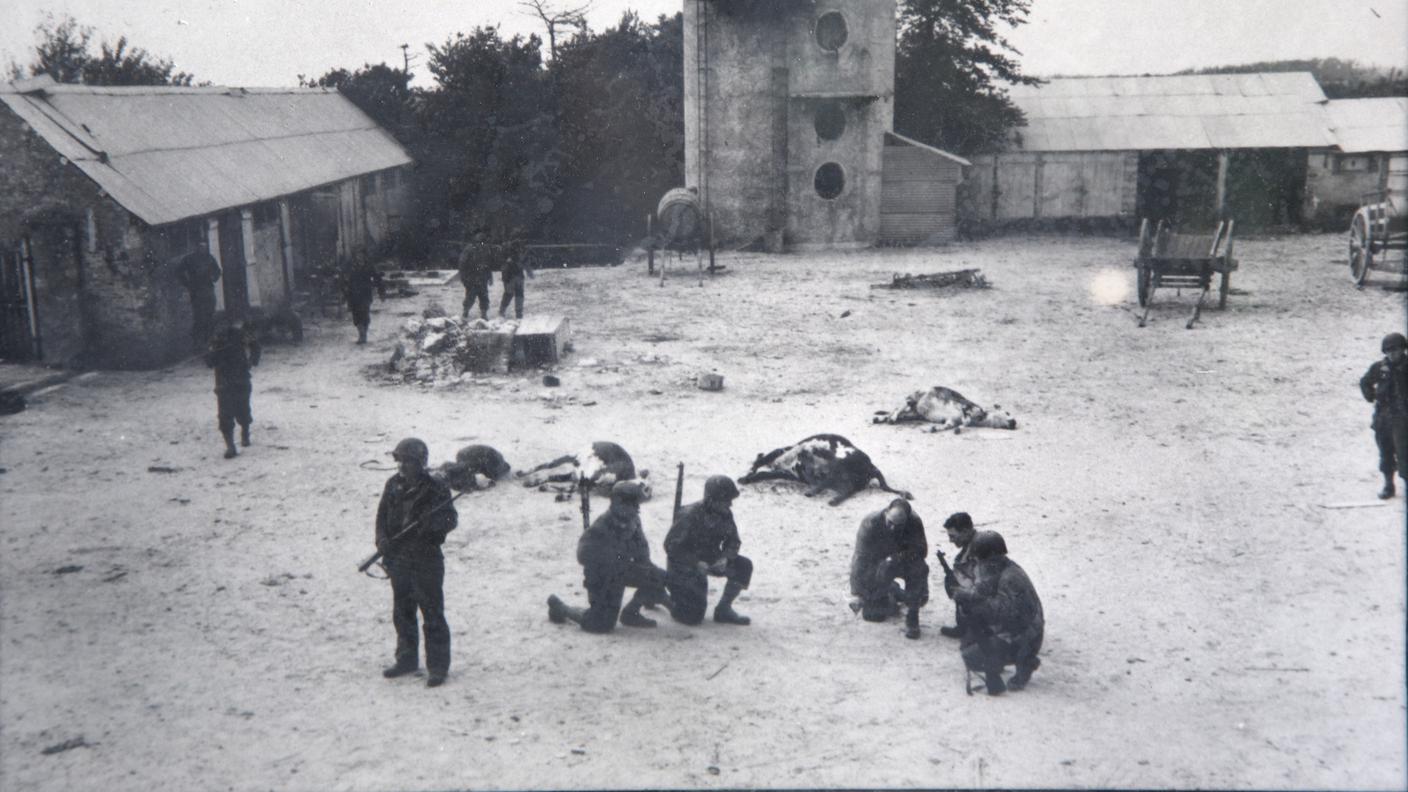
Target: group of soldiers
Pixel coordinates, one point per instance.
(477, 263)
(998, 615)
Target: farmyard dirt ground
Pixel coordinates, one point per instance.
(1211, 623)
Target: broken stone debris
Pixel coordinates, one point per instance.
(438, 349)
(966, 278)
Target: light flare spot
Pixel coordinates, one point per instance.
(1110, 287)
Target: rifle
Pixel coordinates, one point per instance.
(375, 557)
(584, 489)
(679, 491)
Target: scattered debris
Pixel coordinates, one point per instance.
(276, 580)
(551, 381)
(161, 469)
(717, 672)
(67, 745)
(713, 769)
(580, 751)
(115, 576)
(968, 278)
(844, 314)
(66, 570)
(710, 381)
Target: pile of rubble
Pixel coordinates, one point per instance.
(966, 278)
(438, 348)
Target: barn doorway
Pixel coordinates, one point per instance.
(1178, 186)
(233, 264)
(19, 340)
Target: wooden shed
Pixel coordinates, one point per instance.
(918, 192)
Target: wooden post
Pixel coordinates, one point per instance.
(1222, 158)
(212, 241)
(251, 257)
(711, 243)
(286, 236)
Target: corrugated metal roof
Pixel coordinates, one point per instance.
(167, 153)
(1186, 111)
(1363, 125)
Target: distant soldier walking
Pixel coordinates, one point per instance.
(360, 281)
(615, 556)
(198, 272)
(891, 546)
(412, 519)
(1386, 385)
(233, 350)
(476, 266)
(704, 541)
(514, 270)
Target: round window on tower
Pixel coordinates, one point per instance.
(830, 180)
(831, 31)
(830, 120)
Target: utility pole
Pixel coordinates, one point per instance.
(406, 57)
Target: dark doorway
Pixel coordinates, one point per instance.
(17, 338)
(1178, 186)
(233, 263)
(1265, 187)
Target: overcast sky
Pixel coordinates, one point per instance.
(271, 42)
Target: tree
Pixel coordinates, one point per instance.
(553, 18)
(64, 52)
(951, 62)
(621, 99)
(381, 91)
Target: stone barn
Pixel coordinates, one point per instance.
(1181, 147)
(103, 189)
(1369, 157)
(788, 112)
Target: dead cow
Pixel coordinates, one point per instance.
(472, 463)
(602, 465)
(948, 409)
(822, 462)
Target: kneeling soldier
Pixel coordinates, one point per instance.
(614, 555)
(704, 541)
(891, 546)
(1004, 621)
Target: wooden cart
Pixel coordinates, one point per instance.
(1377, 228)
(1168, 259)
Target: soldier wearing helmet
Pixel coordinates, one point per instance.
(704, 541)
(1006, 624)
(476, 266)
(1386, 385)
(615, 556)
(412, 520)
(233, 349)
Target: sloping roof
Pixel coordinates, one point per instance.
(1363, 125)
(1195, 111)
(168, 153)
(895, 138)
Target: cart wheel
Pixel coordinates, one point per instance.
(1142, 283)
(1361, 255)
(1222, 290)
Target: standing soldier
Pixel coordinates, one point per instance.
(412, 520)
(614, 555)
(476, 267)
(232, 351)
(704, 541)
(199, 272)
(891, 546)
(1006, 624)
(513, 271)
(960, 532)
(1386, 385)
(361, 280)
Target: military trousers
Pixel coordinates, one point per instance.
(417, 588)
(689, 588)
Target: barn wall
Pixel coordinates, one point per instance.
(1336, 184)
(918, 204)
(1055, 185)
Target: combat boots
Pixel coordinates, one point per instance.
(1388, 490)
(230, 452)
(401, 668)
(361, 334)
(1024, 674)
(724, 612)
(560, 612)
(911, 624)
(630, 617)
(244, 436)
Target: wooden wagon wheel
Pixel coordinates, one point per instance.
(1361, 251)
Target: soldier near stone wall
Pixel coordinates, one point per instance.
(198, 272)
(233, 350)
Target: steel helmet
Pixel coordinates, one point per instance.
(1394, 341)
(720, 488)
(412, 448)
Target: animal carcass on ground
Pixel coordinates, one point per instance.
(822, 462)
(947, 409)
(600, 466)
(471, 463)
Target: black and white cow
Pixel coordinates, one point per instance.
(822, 462)
(472, 463)
(601, 465)
(947, 409)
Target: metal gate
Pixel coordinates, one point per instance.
(19, 336)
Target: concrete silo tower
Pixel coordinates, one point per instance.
(787, 103)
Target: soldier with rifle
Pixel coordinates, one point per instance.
(960, 532)
(415, 514)
(233, 350)
(1005, 624)
(704, 541)
(614, 555)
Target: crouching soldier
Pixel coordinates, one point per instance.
(704, 541)
(615, 556)
(891, 546)
(1005, 623)
(960, 532)
(412, 520)
(233, 351)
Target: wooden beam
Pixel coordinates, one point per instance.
(1221, 205)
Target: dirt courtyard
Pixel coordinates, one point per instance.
(1224, 595)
